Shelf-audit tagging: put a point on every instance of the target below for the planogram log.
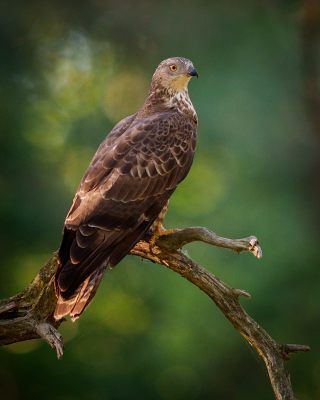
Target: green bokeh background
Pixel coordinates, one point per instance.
(69, 71)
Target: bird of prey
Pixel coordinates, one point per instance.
(127, 186)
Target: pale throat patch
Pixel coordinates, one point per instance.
(182, 102)
(180, 84)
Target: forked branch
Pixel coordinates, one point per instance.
(29, 314)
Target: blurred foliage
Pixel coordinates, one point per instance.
(69, 71)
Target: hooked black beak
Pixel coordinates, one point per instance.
(192, 72)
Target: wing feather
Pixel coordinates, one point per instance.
(131, 177)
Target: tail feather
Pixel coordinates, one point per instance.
(81, 298)
(80, 271)
(72, 275)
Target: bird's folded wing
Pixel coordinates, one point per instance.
(128, 173)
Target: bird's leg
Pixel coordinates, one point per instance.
(157, 228)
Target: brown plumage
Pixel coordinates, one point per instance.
(129, 181)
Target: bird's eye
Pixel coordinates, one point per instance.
(173, 67)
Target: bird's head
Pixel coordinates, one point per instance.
(173, 74)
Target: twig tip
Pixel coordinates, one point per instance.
(255, 248)
(240, 292)
(294, 348)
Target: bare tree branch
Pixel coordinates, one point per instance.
(29, 314)
(180, 238)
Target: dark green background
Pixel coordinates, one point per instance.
(69, 71)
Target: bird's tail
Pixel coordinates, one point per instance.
(83, 258)
(81, 298)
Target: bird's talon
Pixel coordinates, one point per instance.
(152, 243)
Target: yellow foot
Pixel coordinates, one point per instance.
(157, 234)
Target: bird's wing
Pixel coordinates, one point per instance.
(128, 173)
(128, 182)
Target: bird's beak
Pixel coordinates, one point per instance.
(192, 71)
